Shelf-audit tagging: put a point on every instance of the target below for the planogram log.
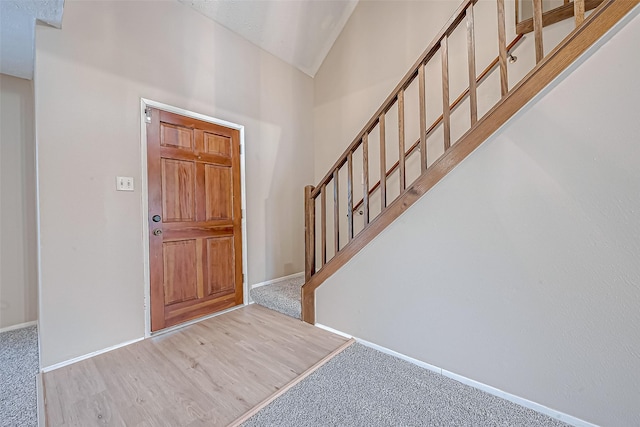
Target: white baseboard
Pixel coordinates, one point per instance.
(18, 326)
(164, 331)
(88, 355)
(473, 383)
(401, 356)
(565, 418)
(277, 280)
(40, 401)
(334, 331)
(383, 349)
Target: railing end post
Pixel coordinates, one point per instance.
(307, 296)
(309, 233)
(308, 306)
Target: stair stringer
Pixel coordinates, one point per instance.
(520, 269)
(551, 66)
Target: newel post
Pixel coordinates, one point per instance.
(307, 297)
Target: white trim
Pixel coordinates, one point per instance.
(18, 326)
(40, 400)
(334, 331)
(126, 343)
(390, 352)
(243, 202)
(144, 194)
(194, 321)
(382, 349)
(88, 356)
(38, 223)
(278, 280)
(566, 418)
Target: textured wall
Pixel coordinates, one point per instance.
(90, 77)
(520, 268)
(18, 265)
(381, 41)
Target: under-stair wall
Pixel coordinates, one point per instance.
(519, 269)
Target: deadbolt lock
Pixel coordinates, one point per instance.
(156, 218)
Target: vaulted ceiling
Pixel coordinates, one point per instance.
(300, 32)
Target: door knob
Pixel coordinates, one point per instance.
(157, 232)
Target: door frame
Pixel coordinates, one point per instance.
(145, 207)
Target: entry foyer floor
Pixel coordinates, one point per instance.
(210, 373)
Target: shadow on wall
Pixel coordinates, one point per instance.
(18, 245)
(183, 58)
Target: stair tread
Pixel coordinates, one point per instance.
(283, 297)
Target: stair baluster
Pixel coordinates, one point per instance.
(587, 31)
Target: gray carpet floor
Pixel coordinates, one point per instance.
(364, 387)
(18, 370)
(283, 297)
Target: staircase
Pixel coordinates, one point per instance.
(329, 250)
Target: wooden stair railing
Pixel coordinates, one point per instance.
(437, 122)
(588, 30)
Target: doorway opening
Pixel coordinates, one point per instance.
(193, 211)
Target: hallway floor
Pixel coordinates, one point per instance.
(209, 373)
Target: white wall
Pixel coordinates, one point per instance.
(520, 268)
(90, 77)
(379, 44)
(381, 40)
(18, 252)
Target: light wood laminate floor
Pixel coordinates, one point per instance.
(209, 373)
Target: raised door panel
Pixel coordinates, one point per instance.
(180, 271)
(219, 192)
(178, 190)
(220, 260)
(217, 144)
(176, 136)
(195, 257)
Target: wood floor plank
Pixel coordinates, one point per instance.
(209, 373)
(291, 384)
(96, 407)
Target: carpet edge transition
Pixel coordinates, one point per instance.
(244, 417)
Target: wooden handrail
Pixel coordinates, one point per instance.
(481, 77)
(451, 25)
(558, 14)
(545, 71)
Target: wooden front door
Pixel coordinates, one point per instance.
(195, 241)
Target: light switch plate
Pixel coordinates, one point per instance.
(124, 183)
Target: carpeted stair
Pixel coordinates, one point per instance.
(283, 296)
